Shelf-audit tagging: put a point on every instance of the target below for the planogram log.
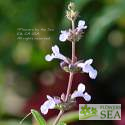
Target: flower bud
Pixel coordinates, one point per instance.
(71, 14)
(63, 96)
(71, 6)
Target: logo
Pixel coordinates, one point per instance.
(100, 112)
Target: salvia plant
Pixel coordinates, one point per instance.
(66, 101)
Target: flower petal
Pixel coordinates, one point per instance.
(44, 109)
(51, 104)
(75, 94)
(56, 100)
(89, 61)
(55, 49)
(81, 87)
(86, 96)
(63, 36)
(49, 57)
(93, 74)
(81, 25)
(62, 57)
(86, 68)
(80, 65)
(49, 97)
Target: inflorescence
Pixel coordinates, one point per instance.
(73, 35)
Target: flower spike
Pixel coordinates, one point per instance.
(72, 66)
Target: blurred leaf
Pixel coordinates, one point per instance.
(80, 3)
(66, 118)
(62, 123)
(38, 117)
(102, 23)
(12, 122)
(2, 89)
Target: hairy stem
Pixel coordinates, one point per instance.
(73, 53)
(73, 26)
(69, 86)
(73, 45)
(58, 117)
(70, 78)
(73, 61)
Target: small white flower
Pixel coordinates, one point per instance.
(80, 93)
(87, 68)
(64, 36)
(56, 55)
(49, 104)
(81, 25)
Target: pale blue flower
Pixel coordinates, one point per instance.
(56, 55)
(80, 92)
(87, 68)
(49, 104)
(81, 25)
(64, 36)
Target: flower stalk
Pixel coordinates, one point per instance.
(70, 77)
(73, 35)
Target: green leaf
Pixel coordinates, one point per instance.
(38, 117)
(13, 122)
(66, 118)
(62, 123)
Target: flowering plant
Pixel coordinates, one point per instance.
(73, 65)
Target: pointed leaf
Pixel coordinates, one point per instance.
(38, 117)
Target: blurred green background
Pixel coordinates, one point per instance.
(24, 73)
